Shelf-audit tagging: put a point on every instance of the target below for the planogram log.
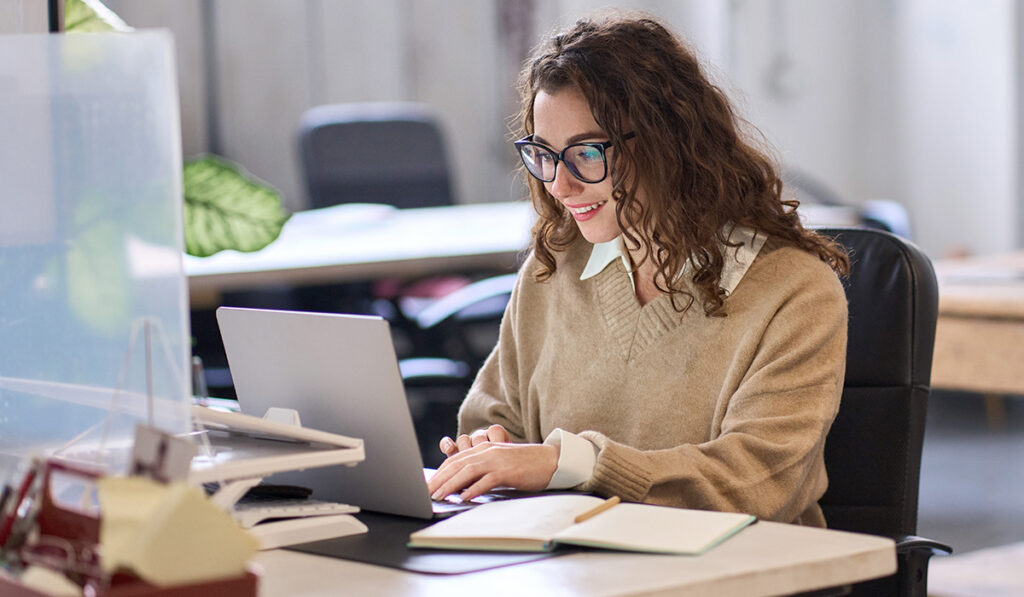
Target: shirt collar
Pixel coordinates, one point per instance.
(737, 259)
(602, 255)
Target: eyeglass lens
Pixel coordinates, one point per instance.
(585, 162)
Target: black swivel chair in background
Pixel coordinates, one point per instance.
(382, 152)
(388, 153)
(379, 152)
(391, 153)
(873, 452)
(395, 153)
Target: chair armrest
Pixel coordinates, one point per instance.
(463, 298)
(908, 543)
(431, 371)
(912, 555)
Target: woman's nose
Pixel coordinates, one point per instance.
(565, 184)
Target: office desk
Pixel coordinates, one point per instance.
(764, 559)
(979, 339)
(362, 241)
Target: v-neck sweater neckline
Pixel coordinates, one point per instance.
(636, 327)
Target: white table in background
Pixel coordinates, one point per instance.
(362, 241)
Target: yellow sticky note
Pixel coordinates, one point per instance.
(169, 534)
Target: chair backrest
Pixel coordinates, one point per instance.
(385, 152)
(873, 452)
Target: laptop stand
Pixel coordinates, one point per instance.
(237, 451)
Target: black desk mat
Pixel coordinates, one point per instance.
(385, 545)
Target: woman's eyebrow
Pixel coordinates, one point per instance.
(575, 138)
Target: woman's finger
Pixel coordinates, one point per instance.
(456, 481)
(463, 442)
(480, 487)
(497, 433)
(450, 467)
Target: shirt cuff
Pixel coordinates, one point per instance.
(577, 458)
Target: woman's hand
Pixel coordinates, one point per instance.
(494, 433)
(481, 467)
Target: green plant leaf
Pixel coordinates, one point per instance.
(228, 209)
(82, 16)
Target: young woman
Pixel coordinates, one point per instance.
(675, 336)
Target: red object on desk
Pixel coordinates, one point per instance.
(73, 536)
(10, 512)
(79, 530)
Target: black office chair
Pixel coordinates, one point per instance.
(395, 153)
(873, 452)
(378, 152)
(392, 153)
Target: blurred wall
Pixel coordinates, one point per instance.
(23, 16)
(184, 19)
(959, 112)
(816, 78)
(909, 100)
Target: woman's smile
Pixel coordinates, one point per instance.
(584, 211)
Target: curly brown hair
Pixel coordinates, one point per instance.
(690, 157)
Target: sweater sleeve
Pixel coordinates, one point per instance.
(494, 396)
(767, 455)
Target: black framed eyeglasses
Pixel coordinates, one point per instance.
(586, 161)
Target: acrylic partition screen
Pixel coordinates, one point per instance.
(93, 302)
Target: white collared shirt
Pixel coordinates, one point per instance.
(577, 456)
(732, 272)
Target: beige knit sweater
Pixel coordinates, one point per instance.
(719, 413)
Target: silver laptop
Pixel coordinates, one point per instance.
(339, 372)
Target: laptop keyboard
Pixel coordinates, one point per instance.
(252, 511)
(272, 502)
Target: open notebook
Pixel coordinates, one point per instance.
(543, 523)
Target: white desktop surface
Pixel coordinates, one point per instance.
(764, 559)
(365, 241)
